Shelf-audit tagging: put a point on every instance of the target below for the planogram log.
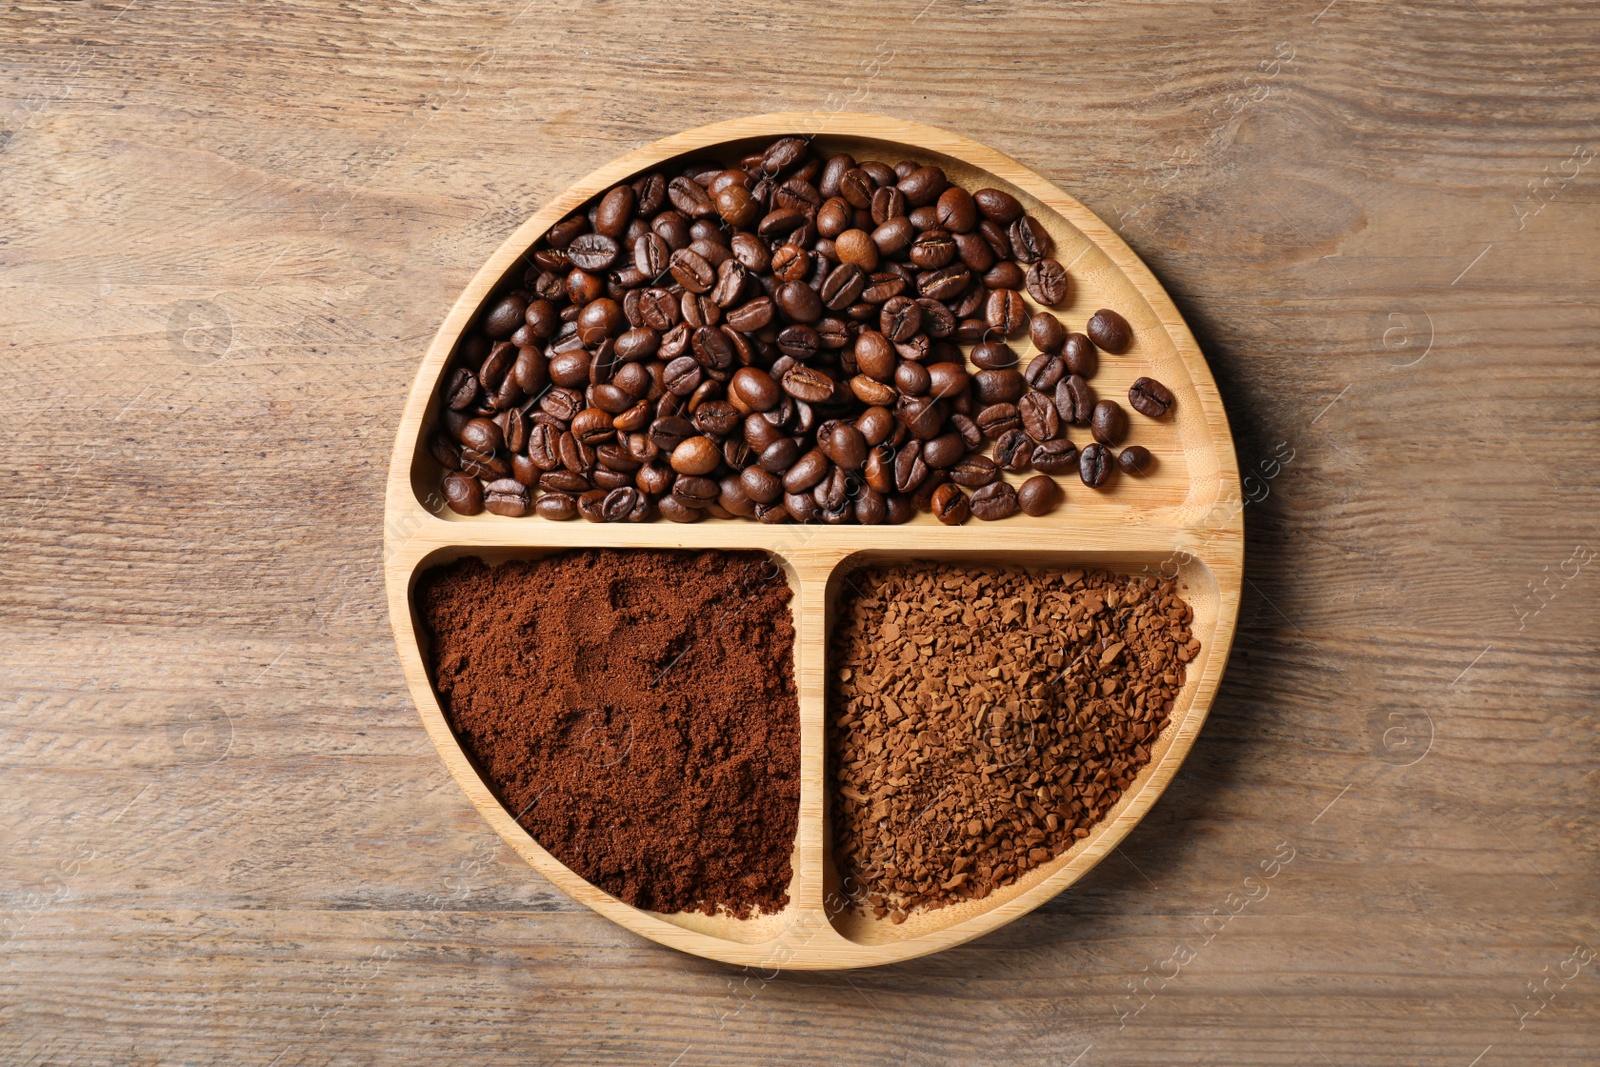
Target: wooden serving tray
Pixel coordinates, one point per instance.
(1184, 518)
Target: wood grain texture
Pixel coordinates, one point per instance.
(226, 236)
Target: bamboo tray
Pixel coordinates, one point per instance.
(1184, 518)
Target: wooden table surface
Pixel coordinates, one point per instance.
(226, 235)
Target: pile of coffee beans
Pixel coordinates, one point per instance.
(783, 339)
(983, 718)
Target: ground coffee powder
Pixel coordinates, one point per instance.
(636, 711)
(984, 718)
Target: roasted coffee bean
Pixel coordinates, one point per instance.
(780, 455)
(593, 252)
(599, 320)
(923, 416)
(1005, 312)
(945, 283)
(508, 497)
(558, 507)
(1109, 331)
(1030, 241)
(671, 431)
(949, 505)
(872, 392)
(592, 426)
(461, 390)
(967, 428)
(870, 507)
(809, 384)
(712, 349)
(1108, 423)
(619, 504)
(682, 376)
(675, 510)
(875, 355)
(997, 206)
(482, 435)
(655, 479)
(690, 197)
(1150, 397)
(506, 315)
(1038, 495)
(993, 355)
(605, 478)
(651, 254)
(696, 455)
(807, 471)
(997, 500)
(1047, 282)
(944, 451)
(999, 386)
(463, 493)
(716, 418)
(692, 271)
(485, 465)
(843, 444)
(1136, 459)
(1046, 332)
(997, 419)
(589, 504)
(610, 399)
(1013, 451)
(1095, 465)
(1080, 355)
(1045, 371)
(761, 485)
(974, 470)
(754, 389)
(798, 302)
(615, 211)
(957, 211)
(734, 499)
(1074, 400)
(900, 319)
(695, 490)
(563, 480)
(910, 469)
(876, 424)
(1039, 416)
(912, 379)
(946, 380)
(448, 454)
(1055, 457)
(843, 286)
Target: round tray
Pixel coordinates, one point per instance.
(1184, 519)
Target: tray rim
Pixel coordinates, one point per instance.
(809, 941)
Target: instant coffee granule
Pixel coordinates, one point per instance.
(635, 711)
(983, 718)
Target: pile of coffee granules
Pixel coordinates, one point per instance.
(983, 718)
(635, 711)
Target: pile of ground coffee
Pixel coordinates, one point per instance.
(982, 718)
(636, 711)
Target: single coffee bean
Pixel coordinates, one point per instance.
(755, 389)
(872, 392)
(696, 455)
(593, 252)
(780, 455)
(946, 283)
(481, 435)
(993, 355)
(692, 271)
(1047, 282)
(1136, 459)
(716, 418)
(695, 490)
(844, 444)
(675, 510)
(761, 485)
(997, 500)
(912, 379)
(1109, 423)
(558, 507)
(615, 211)
(1055, 457)
(910, 470)
(563, 480)
(1080, 355)
(900, 319)
(1013, 451)
(949, 505)
(998, 419)
(505, 317)
(966, 427)
(944, 451)
(808, 384)
(1039, 416)
(807, 471)
(1110, 331)
(1030, 241)
(974, 470)
(875, 424)
(618, 505)
(463, 493)
(1038, 495)
(922, 416)
(958, 213)
(593, 426)
(998, 207)
(508, 497)
(1046, 332)
(798, 302)
(1095, 465)
(1150, 397)
(999, 386)
(1074, 400)
(1005, 312)
(870, 507)
(1045, 371)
